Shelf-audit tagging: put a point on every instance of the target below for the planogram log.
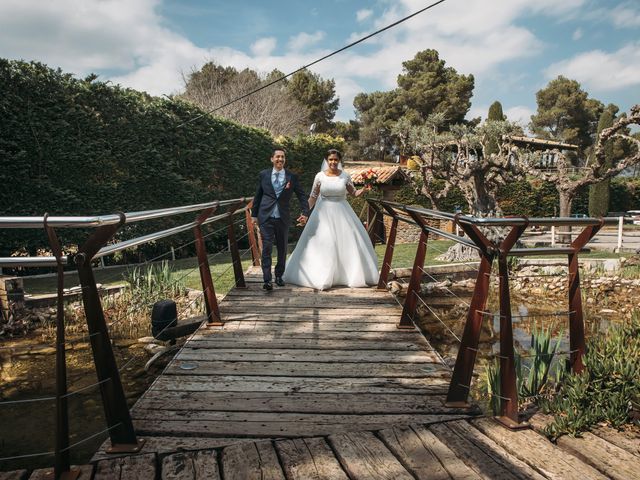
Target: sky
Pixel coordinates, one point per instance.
(512, 47)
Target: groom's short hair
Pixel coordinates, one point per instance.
(277, 148)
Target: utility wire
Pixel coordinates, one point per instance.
(335, 52)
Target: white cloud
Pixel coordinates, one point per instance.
(601, 71)
(263, 46)
(304, 40)
(363, 14)
(577, 34)
(520, 114)
(626, 15)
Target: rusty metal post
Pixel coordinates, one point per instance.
(210, 300)
(388, 255)
(121, 432)
(235, 254)
(251, 230)
(62, 467)
(508, 382)
(372, 215)
(463, 371)
(577, 345)
(411, 301)
(458, 393)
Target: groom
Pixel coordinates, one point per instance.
(271, 212)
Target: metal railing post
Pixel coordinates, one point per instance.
(371, 223)
(233, 247)
(121, 432)
(577, 345)
(410, 302)
(210, 300)
(253, 242)
(62, 466)
(458, 393)
(388, 255)
(620, 228)
(508, 382)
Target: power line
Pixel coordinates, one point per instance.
(335, 52)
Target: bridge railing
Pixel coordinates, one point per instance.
(491, 249)
(119, 423)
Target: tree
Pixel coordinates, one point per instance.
(317, 95)
(495, 115)
(273, 108)
(495, 112)
(566, 113)
(425, 87)
(599, 192)
(566, 181)
(457, 159)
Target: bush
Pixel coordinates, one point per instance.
(608, 390)
(79, 146)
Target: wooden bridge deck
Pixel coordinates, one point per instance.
(296, 362)
(302, 385)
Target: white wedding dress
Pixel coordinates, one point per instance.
(334, 248)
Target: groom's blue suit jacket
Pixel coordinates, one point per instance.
(265, 199)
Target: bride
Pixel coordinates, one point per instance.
(334, 248)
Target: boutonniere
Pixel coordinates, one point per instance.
(288, 185)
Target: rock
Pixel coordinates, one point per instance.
(607, 310)
(153, 348)
(146, 340)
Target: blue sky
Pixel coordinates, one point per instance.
(513, 47)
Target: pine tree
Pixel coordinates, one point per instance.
(495, 115)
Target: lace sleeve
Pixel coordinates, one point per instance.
(315, 190)
(349, 182)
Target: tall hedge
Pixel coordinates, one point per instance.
(72, 146)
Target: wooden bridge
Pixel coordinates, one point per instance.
(302, 384)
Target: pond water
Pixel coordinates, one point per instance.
(27, 371)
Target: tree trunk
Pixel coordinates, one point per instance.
(566, 199)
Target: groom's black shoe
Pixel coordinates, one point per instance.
(268, 286)
(279, 282)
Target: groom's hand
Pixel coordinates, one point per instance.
(302, 220)
(254, 220)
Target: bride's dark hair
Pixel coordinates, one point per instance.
(333, 151)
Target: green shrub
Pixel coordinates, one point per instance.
(606, 391)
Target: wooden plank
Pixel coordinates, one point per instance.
(304, 344)
(309, 459)
(289, 297)
(625, 439)
(325, 356)
(300, 384)
(384, 336)
(164, 445)
(359, 403)
(256, 290)
(304, 327)
(414, 455)
(611, 460)
(202, 465)
(309, 309)
(309, 369)
(455, 467)
(278, 428)
(538, 452)
(251, 461)
(86, 473)
(502, 457)
(140, 467)
(484, 465)
(363, 456)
